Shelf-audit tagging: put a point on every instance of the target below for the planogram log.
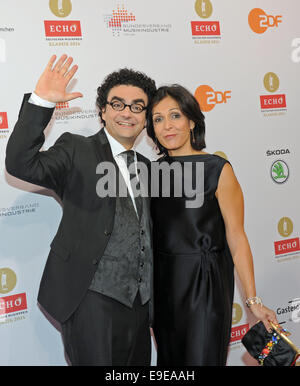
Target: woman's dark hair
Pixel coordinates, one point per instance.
(127, 77)
(188, 105)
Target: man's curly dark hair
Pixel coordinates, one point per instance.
(128, 77)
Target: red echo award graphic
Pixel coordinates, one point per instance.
(62, 32)
(204, 29)
(272, 101)
(10, 304)
(288, 246)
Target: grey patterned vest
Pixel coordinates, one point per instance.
(126, 265)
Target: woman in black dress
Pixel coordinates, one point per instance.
(196, 248)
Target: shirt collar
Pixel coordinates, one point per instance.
(116, 147)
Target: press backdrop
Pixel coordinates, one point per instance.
(241, 59)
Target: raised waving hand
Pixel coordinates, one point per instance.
(54, 80)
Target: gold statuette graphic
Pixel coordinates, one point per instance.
(285, 226)
(204, 8)
(8, 280)
(237, 313)
(60, 8)
(271, 82)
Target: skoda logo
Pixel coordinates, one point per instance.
(279, 171)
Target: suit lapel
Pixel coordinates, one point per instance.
(103, 149)
(104, 154)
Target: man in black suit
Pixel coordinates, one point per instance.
(98, 275)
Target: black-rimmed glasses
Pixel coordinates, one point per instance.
(120, 106)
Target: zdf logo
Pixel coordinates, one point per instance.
(209, 98)
(259, 21)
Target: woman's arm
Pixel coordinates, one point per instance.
(231, 202)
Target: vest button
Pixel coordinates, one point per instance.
(142, 249)
(107, 233)
(142, 232)
(95, 261)
(140, 280)
(142, 264)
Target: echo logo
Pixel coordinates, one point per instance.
(2, 51)
(62, 28)
(210, 28)
(13, 303)
(259, 21)
(209, 98)
(3, 120)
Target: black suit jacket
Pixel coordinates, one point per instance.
(69, 168)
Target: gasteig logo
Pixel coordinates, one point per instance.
(62, 32)
(123, 22)
(208, 98)
(289, 312)
(205, 31)
(12, 307)
(286, 249)
(259, 21)
(272, 104)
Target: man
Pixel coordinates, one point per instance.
(97, 279)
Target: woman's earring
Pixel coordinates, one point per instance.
(193, 136)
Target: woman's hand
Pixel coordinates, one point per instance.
(264, 314)
(54, 80)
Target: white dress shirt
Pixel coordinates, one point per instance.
(116, 147)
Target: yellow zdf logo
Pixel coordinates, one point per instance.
(259, 21)
(60, 8)
(209, 98)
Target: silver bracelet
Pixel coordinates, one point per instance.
(254, 300)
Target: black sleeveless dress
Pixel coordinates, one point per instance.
(193, 274)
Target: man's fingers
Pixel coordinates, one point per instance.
(73, 95)
(50, 63)
(69, 75)
(60, 62)
(66, 66)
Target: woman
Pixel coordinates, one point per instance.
(196, 249)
